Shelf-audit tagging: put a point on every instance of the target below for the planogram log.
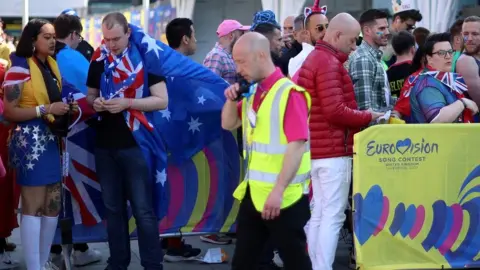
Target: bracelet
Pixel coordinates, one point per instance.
(37, 110)
(464, 104)
(43, 111)
(50, 108)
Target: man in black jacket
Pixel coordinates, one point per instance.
(296, 46)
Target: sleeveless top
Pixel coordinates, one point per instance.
(456, 56)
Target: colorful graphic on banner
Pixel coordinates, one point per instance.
(416, 196)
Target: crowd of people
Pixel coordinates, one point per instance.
(311, 84)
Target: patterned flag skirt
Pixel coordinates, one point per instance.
(34, 153)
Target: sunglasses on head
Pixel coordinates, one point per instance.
(322, 27)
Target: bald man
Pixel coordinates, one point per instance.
(299, 36)
(334, 120)
(288, 32)
(273, 200)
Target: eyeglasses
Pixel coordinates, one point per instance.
(322, 27)
(78, 35)
(444, 53)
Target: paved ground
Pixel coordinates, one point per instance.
(340, 264)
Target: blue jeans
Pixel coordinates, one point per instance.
(124, 175)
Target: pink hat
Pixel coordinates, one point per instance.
(228, 26)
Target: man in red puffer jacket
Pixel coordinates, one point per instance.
(334, 120)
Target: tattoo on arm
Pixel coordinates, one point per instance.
(12, 92)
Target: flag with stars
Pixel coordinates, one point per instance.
(189, 124)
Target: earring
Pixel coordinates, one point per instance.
(34, 49)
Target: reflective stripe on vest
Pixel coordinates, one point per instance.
(275, 147)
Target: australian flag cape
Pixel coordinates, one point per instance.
(192, 119)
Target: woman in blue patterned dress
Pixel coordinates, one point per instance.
(32, 97)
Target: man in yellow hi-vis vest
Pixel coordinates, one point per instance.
(274, 118)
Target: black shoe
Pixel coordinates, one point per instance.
(183, 253)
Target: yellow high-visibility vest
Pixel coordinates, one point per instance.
(264, 148)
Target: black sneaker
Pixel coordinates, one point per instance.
(184, 253)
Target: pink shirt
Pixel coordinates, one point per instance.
(295, 123)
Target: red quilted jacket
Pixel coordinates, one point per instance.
(334, 117)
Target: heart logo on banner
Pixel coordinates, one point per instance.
(367, 213)
(403, 146)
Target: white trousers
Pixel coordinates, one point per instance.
(330, 183)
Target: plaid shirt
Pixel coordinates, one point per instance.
(221, 62)
(369, 79)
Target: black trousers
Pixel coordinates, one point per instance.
(286, 233)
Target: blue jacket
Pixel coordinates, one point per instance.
(73, 67)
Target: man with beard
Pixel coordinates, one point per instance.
(365, 67)
(468, 64)
(219, 59)
(264, 22)
(315, 23)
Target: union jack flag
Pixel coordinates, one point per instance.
(453, 80)
(18, 73)
(81, 182)
(128, 82)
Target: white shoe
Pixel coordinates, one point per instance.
(277, 260)
(84, 258)
(6, 261)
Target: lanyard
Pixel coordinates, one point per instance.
(249, 97)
